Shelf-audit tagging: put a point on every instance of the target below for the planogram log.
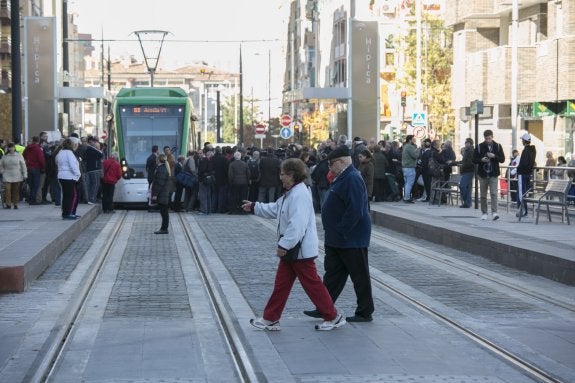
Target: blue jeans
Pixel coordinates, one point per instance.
(465, 186)
(409, 176)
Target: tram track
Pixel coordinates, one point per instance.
(477, 271)
(239, 355)
(60, 334)
(44, 368)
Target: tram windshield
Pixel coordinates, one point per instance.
(144, 126)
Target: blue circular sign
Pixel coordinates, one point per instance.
(286, 132)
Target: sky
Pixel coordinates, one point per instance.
(209, 31)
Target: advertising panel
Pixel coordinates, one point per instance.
(40, 75)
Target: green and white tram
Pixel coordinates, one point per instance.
(144, 117)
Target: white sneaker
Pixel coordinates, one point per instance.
(495, 216)
(331, 324)
(484, 217)
(90, 203)
(263, 324)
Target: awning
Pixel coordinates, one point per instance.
(543, 109)
(568, 109)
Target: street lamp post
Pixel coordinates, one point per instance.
(151, 61)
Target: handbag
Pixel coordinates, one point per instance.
(186, 179)
(293, 253)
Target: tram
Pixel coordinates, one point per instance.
(143, 117)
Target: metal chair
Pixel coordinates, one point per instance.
(555, 194)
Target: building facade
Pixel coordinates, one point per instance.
(483, 70)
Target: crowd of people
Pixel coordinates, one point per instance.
(67, 171)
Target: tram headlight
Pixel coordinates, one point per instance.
(125, 168)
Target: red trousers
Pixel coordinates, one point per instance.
(306, 273)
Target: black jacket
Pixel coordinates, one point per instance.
(527, 160)
(491, 168)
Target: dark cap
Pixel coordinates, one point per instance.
(340, 151)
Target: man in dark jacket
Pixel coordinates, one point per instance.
(467, 171)
(524, 172)
(151, 163)
(269, 176)
(488, 155)
(347, 225)
(36, 165)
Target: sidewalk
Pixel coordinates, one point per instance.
(32, 237)
(546, 249)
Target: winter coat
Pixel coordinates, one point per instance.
(367, 169)
(269, 170)
(379, 165)
(13, 168)
(409, 155)
(161, 185)
(238, 173)
(68, 165)
(112, 171)
(34, 157)
(527, 160)
(344, 213)
(491, 168)
(295, 220)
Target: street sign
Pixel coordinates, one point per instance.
(260, 129)
(419, 119)
(286, 132)
(419, 132)
(285, 120)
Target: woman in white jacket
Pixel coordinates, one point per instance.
(68, 175)
(297, 249)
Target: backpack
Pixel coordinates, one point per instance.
(434, 167)
(254, 166)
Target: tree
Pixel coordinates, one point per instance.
(229, 131)
(437, 59)
(316, 122)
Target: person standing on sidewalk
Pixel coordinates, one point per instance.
(467, 171)
(408, 162)
(297, 249)
(347, 225)
(68, 175)
(36, 165)
(488, 155)
(112, 172)
(524, 172)
(14, 172)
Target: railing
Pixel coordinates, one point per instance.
(539, 179)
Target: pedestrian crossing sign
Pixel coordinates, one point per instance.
(419, 119)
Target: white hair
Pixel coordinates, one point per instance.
(237, 155)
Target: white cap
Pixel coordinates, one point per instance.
(526, 137)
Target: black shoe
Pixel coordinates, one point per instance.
(359, 318)
(161, 232)
(464, 206)
(69, 217)
(312, 313)
(408, 201)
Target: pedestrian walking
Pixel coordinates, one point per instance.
(488, 155)
(297, 248)
(347, 225)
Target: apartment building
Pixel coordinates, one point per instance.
(482, 70)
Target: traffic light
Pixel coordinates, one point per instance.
(403, 96)
(296, 131)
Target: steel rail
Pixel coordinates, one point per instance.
(59, 336)
(241, 359)
(474, 270)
